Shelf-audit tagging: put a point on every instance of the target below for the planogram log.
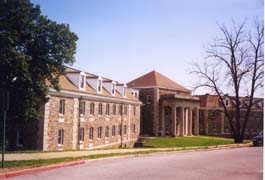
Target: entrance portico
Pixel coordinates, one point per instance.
(184, 119)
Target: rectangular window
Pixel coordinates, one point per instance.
(125, 110)
(124, 91)
(148, 99)
(107, 131)
(120, 110)
(113, 131)
(124, 129)
(82, 82)
(82, 107)
(81, 134)
(114, 109)
(107, 109)
(119, 130)
(113, 89)
(100, 109)
(62, 106)
(91, 133)
(99, 85)
(134, 110)
(92, 106)
(99, 132)
(60, 136)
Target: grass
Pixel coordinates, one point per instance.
(159, 142)
(41, 162)
(169, 142)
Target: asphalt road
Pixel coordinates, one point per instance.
(225, 164)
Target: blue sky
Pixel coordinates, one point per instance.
(124, 39)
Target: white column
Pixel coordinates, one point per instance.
(163, 120)
(190, 122)
(196, 123)
(181, 133)
(174, 120)
(129, 122)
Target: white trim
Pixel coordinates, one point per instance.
(104, 98)
(129, 122)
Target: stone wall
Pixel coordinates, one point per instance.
(73, 121)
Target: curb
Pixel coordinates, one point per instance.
(38, 169)
(170, 150)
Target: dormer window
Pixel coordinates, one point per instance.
(124, 91)
(99, 85)
(113, 88)
(82, 81)
(226, 102)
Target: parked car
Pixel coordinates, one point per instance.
(258, 140)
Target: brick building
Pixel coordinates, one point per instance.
(88, 112)
(213, 121)
(168, 108)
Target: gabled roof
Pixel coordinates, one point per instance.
(154, 78)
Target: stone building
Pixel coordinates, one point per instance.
(213, 121)
(168, 108)
(88, 112)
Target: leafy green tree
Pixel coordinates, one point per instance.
(34, 50)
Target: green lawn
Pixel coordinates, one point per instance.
(169, 142)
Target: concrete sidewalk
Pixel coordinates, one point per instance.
(49, 155)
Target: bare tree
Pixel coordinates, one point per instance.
(234, 63)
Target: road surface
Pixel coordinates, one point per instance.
(232, 164)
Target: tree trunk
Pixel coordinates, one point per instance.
(238, 139)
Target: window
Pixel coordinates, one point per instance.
(134, 110)
(113, 131)
(82, 82)
(82, 107)
(81, 134)
(99, 85)
(92, 105)
(119, 130)
(114, 109)
(134, 128)
(107, 109)
(100, 109)
(125, 110)
(107, 131)
(120, 110)
(62, 106)
(124, 129)
(60, 136)
(226, 101)
(113, 88)
(91, 133)
(19, 138)
(148, 99)
(99, 132)
(124, 91)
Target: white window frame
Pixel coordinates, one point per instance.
(99, 85)
(60, 137)
(81, 134)
(82, 108)
(62, 107)
(91, 133)
(113, 89)
(99, 132)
